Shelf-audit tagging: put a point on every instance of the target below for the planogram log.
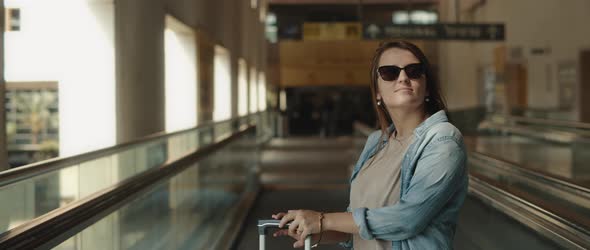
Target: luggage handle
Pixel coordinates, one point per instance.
(264, 225)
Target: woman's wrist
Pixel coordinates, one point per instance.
(320, 220)
(328, 222)
(340, 222)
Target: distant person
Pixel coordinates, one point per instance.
(411, 178)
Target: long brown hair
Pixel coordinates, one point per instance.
(436, 101)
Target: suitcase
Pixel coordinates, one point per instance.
(264, 225)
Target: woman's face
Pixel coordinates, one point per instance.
(403, 92)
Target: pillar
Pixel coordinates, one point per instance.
(139, 56)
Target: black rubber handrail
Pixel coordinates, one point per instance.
(17, 174)
(51, 229)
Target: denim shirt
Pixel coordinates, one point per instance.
(434, 183)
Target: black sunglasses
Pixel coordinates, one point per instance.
(391, 72)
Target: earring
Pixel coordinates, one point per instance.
(378, 102)
(427, 99)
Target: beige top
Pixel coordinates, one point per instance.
(378, 185)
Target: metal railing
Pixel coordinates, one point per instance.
(540, 121)
(558, 131)
(38, 189)
(173, 154)
(52, 228)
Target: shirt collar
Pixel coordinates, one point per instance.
(436, 118)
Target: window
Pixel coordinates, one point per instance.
(12, 19)
(242, 87)
(222, 88)
(181, 76)
(253, 90)
(261, 91)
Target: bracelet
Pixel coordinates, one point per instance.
(320, 239)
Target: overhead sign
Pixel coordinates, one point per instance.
(440, 31)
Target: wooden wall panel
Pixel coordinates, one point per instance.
(328, 63)
(313, 63)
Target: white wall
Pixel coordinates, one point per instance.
(559, 26)
(458, 78)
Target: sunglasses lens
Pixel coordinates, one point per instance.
(414, 71)
(389, 73)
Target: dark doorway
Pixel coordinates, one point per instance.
(328, 111)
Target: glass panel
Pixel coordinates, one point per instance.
(34, 197)
(193, 141)
(125, 165)
(175, 150)
(223, 129)
(21, 207)
(95, 175)
(206, 136)
(37, 196)
(188, 211)
(553, 158)
(156, 154)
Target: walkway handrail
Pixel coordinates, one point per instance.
(362, 128)
(549, 135)
(58, 225)
(35, 169)
(539, 176)
(542, 121)
(534, 217)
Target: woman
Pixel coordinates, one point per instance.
(411, 178)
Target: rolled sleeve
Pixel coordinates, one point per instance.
(360, 219)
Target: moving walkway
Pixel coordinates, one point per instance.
(205, 188)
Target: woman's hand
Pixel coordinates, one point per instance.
(303, 223)
(298, 241)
